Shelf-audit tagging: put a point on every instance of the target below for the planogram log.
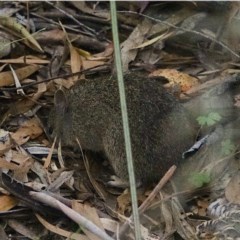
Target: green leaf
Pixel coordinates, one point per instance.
(228, 147)
(199, 179)
(201, 120)
(209, 120)
(215, 116)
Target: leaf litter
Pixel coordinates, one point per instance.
(51, 45)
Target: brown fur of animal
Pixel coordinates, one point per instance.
(160, 127)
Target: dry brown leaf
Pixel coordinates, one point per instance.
(175, 77)
(51, 35)
(16, 156)
(59, 231)
(12, 24)
(76, 61)
(167, 215)
(146, 235)
(7, 77)
(66, 83)
(20, 107)
(29, 129)
(64, 177)
(153, 40)
(42, 87)
(136, 38)
(124, 203)
(91, 64)
(41, 172)
(89, 213)
(106, 54)
(185, 230)
(32, 128)
(232, 191)
(8, 165)
(20, 174)
(110, 224)
(26, 104)
(26, 60)
(7, 202)
(49, 157)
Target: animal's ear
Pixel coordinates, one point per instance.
(60, 102)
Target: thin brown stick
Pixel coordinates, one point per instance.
(149, 199)
(94, 69)
(157, 189)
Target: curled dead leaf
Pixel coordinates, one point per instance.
(175, 77)
(29, 130)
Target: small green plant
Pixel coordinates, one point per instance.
(228, 147)
(209, 120)
(199, 179)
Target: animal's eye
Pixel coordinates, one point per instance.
(50, 130)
